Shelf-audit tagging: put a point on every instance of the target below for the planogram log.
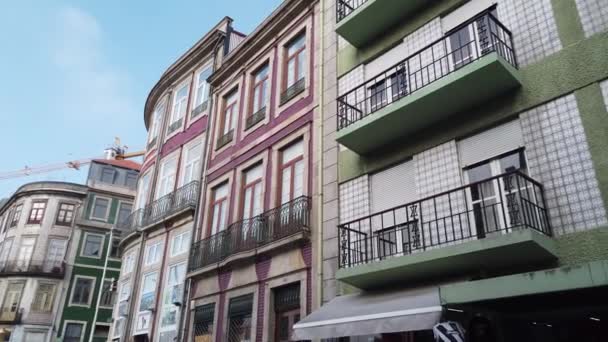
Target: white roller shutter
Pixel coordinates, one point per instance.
(490, 143)
(393, 187)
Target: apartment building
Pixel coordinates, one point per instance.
(469, 139)
(156, 236)
(86, 312)
(251, 265)
(37, 229)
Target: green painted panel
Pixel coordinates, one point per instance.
(518, 248)
(374, 17)
(581, 247)
(587, 275)
(562, 73)
(469, 86)
(89, 207)
(113, 210)
(568, 22)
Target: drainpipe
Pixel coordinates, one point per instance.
(320, 172)
(185, 308)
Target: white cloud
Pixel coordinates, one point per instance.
(89, 88)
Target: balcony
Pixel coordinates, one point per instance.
(244, 239)
(36, 268)
(359, 21)
(492, 225)
(10, 316)
(180, 200)
(460, 71)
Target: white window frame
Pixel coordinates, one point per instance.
(114, 330)
(120, 204)
(173, 118)
(162, 176)
(142, 196)
(53, 297)
(175, 253)
(105, 218)
(106, 280)
(35, 331)
(184, 167)
(68, 321)
(156, 121)
(158, 246)
(206, 86)
(84, 242)
(128, 264)
(73, 287)
(166, 292)
(141, 313)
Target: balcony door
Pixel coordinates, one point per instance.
(465, 43)
(10, 305)
(495, 203)
(291, 176)
(252, 202)
(166, 181)
(26, 249)
(4, 252)
(54, 255)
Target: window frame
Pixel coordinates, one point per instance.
(158, 252)
(34, 221)
(291, 165)
(172, 118)
(287, 58)
(128, 256)
(156, 124)
(251, 185)
(59, 209)
(141, 295)
(181, 235)
(186, 163)
(67, 322)
(112, 295)
(107, 213)
(254, 86)
(110, 169)
(196, 101)
(53, 295)
(91, 291)
(229, 107)
(132, 174)
(84, 243)
(119, 208)
(169, 285)
(15, 215)
(161, 176)
(223, 205)
(143, 192)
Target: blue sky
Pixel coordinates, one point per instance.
(75, 74)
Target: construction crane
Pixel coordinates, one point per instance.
(115, 152)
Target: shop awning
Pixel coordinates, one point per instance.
(372, 313)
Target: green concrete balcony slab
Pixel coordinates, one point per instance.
(360, 21)
(516, 248)
(473, 84)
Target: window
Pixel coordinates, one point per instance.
(131, 179)
(388, 90)
(25, 253)
(260, 89)
(173, 293)
(156, 121)
(92, 245)
(230, 112)
(37, 212)
(82, 291)
(5, 251)
(54, 254)
(44, 297)
(101, 207)
(12, 298)
(128, 263)
(114, 252)
(107, 295)
(34, 336)
(192, 166)
(295, 60)
(107, 175)
(143, 191)
(287, 310)
(73, 332)
(239, 318)
(16, 215)
(166, 181)
(180, 103)
(125, 291)
(146, 299)
(202, 87)
(153, 253)
(252, 192)
(219, 208)
(180, 243)
(124, 211)
(203, 322)
(292, 172)
(119, 324)
(65, 215)
(101, 332)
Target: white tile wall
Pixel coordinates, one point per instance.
(594, 15)
(354, 199)
(558, 157)
(533, 26)
(437, 169)
(351, 80)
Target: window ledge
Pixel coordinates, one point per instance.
(293, 90)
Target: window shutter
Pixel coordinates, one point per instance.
(393, 187)
(287, 297)
(241, 305)
(204, 313)
(490, 143)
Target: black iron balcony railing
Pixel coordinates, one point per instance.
(174, 126)
(345, 7)
(44, 268)
(199, 109)
(246, 235)
(224, 139)
(476, 38)
(180, 199)
(498, 205)
(255, 118)
(293, 90)
(10, 315)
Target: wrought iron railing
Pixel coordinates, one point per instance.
(174, 126)
(290, 218)
(498, 205)
(223, 140)
(199, 109)
(46, 268)
(10, 315)
(476, 38)
(345, 7)
(178, 200)
(255, 118)
(293, 90)
(152, 143)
